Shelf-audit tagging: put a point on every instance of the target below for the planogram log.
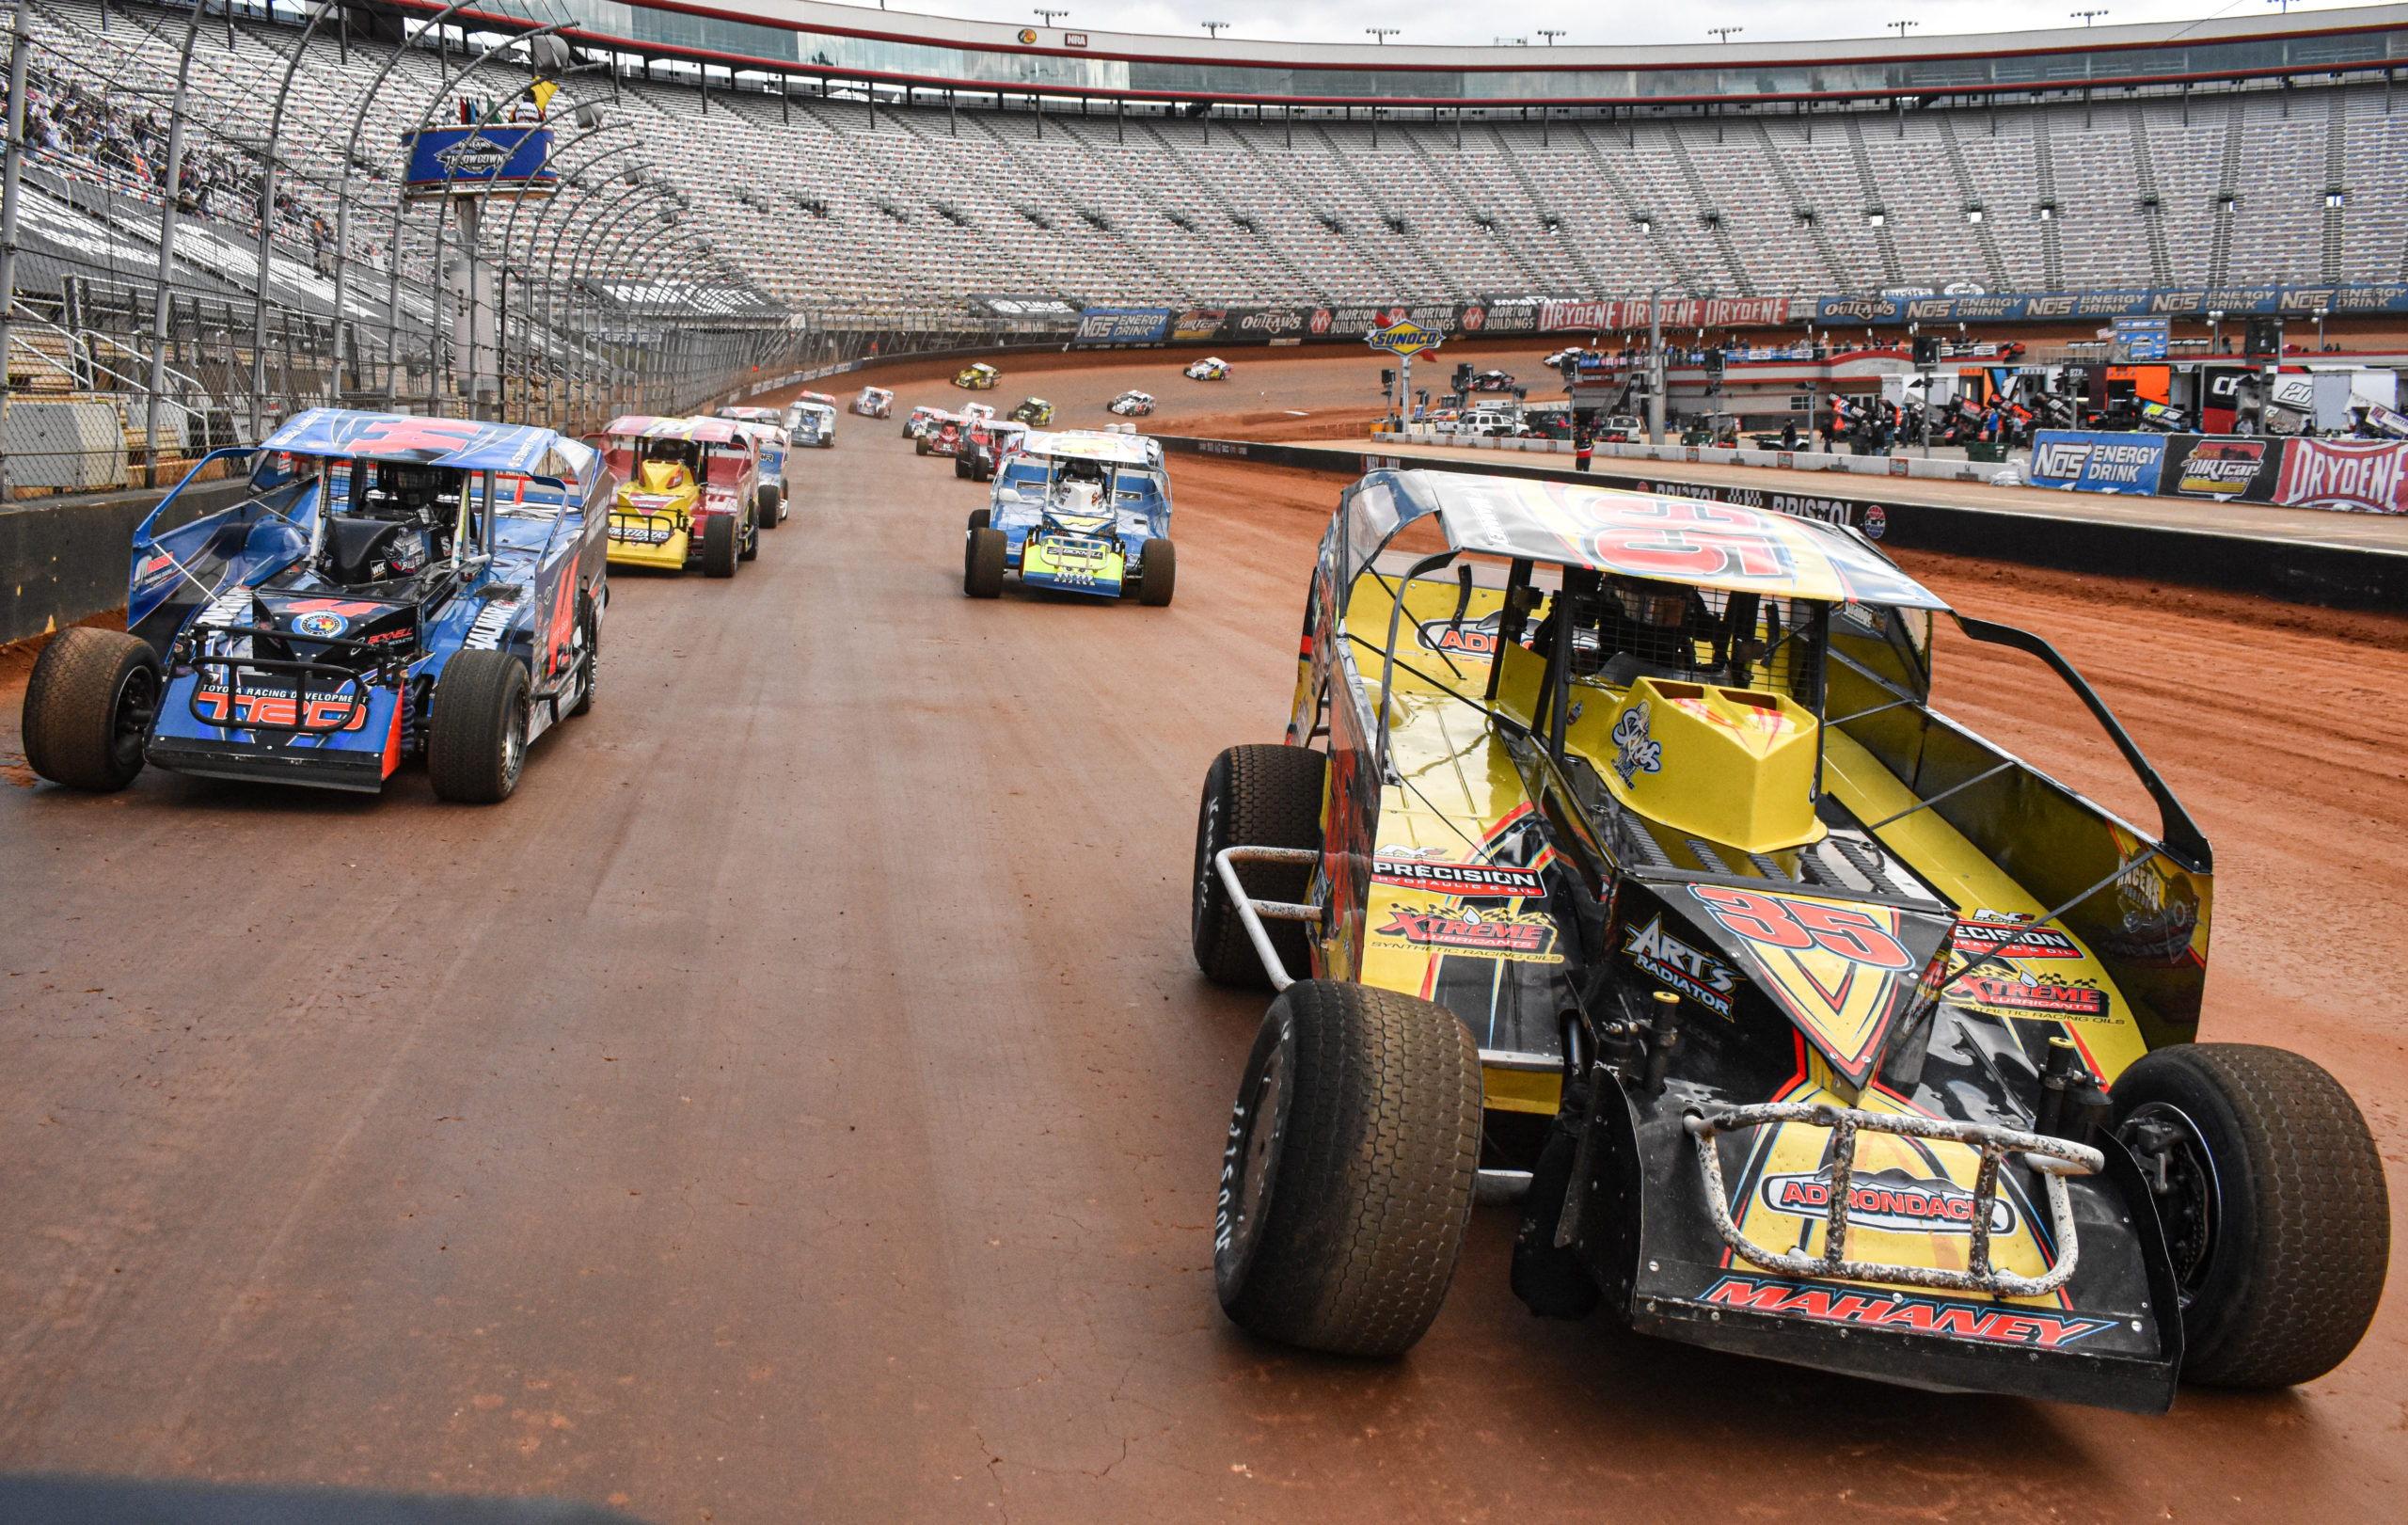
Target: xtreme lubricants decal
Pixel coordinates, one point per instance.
(1635, 753)
(1887, 1199)
(1699, 976)
(2047, 996)
(1986, 1323)
(1991, 932)
(1474, 881)
(1527, 938)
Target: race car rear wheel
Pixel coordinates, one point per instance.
(982, 562)
(477, 739)
(88, 705)
(1346, 1185)
(1157, 572)
(1260, 797)
(590, 630)
(920, 446)
(751, 536)
(2270, 1193)
(960, 467)
(981, 518)
(719, 546)
(765, 505)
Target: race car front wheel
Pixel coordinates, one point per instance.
(982, 562)
(477, 739)
(751, 537)
(1255, 796)
(88, 705)
(921, 445)
(720, 547)
(590, 632)
(2271, 1194)
(1346, 1183)
(1157, 572)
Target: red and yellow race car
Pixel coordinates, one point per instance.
(691, 493)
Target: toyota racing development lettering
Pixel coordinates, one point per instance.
(1527, 938)
(1985, 1322)
(1888, 1199)
(1474, 881)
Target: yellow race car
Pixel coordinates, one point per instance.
(980, 377)
(690, 492)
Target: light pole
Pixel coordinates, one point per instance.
(1900, 27)
(1725, 33)
(1216, 28)
(2086, 17)
(1382, 33)
(1047, 16)
(1655, 367)
(1551, 33)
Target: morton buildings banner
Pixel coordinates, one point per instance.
(2195, 301)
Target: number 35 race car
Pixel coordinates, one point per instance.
(1080, 512)
(691, 494)
(1618, 863)
(389, 587)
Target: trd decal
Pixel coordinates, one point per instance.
(1888, 1199)
(1474, 880)
(2041, 998)
(1986, 1323)
(1527, 938)
(1699, 976)
(275, 711)
(1992, 932)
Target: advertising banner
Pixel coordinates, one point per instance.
(1266, 324)
(1197, 324)
(1123, 324)
(1024, 304)
(480, 160)
(1713, 312)
(2359, 476)
(2221, 467)
(2197, 301)
(2098, 462)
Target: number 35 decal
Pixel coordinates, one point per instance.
(1800, 925)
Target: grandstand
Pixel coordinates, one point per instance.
(735, 195)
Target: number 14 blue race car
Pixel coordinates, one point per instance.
(389, 587)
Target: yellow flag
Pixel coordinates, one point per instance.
(542, 90)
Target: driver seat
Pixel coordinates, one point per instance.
(354, 544)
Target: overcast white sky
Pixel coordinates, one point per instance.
(1584, 21)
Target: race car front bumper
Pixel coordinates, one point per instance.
(1074, 565)
(346, 734)
(1647, 1222)
(659, 540)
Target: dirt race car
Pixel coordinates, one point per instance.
(1034, 411)
(1079, 512)
(920, 418)
(978, 377)
(1492, 381)
(690, 494)
(942, 436)
(1132, 405)
(389, 587)
(812, 425)
(1210, 369)
(1639, 879)
(985, 446)
(873, 403)
(771, 438)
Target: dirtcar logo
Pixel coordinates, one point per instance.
(2223, 468)
(1985, 1322)
(1890, 1199)
(2048, 999)
(1473, 881)
(1527, 938)
(1699, 976)
(2060, 458)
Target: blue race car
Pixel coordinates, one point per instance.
(1078, 511)
(389, 587)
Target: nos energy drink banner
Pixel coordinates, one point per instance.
(481, 161)
(2097, 462)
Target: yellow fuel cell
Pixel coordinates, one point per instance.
(1521, 1091)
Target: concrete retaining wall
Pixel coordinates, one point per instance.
(65, 558)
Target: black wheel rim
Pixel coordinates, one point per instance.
(2182, 1175)
(1253, 1155)
(137, 704)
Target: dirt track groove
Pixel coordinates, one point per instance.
(800, 1102)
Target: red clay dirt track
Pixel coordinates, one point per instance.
(800, 1102)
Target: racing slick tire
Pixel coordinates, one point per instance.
(961, 469)
(920, 446)
(1346, 1185)
(719, 546)
(1255, 796)
(2274, 1208)
(767, 505)
(981, 518)
(982, 562)
(751, 538)
(590, 627)
(88, 705)
(1157, 572)
(476, 741)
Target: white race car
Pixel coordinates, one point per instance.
(1212, 367)
(978, 410)
(1132, 405)
(812, 425)
(873, 403)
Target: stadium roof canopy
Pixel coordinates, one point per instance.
(849, 43)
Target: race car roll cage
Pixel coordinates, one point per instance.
(472, 526)
(2053, 1158)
